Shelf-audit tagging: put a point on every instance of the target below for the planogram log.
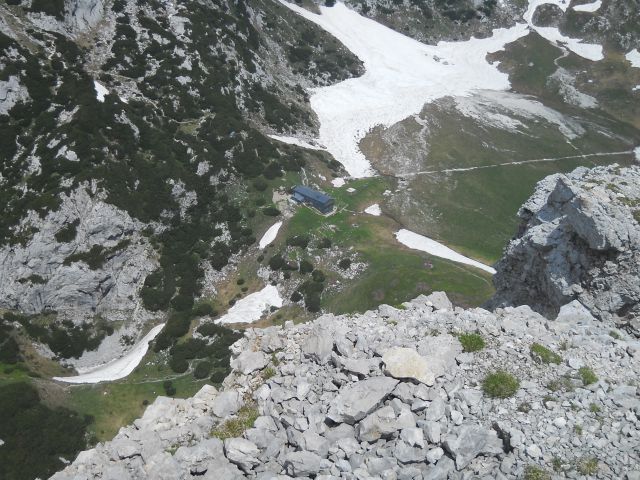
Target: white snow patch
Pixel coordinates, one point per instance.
(116, 369)
(636, 151)
(425, 244)
(634, 57)
(590, 51)
(296, 141)
(101, 90)
(270, 235)
(338, 182)
(401, 75)
(373, 210)
(588, 7)
(250, 308)
(351, 189)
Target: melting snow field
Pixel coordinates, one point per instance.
(589, 7)
(373, 210)
(250, 308)
(425, 244)
(101, 90)
(634, 57)
(402, 75)
(270, 235)
(590, 51)
(116, 369)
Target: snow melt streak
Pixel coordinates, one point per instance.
(116, 369)
(270, 235)
(425, 244)
(250, 308)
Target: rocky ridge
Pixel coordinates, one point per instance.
(579, 239)
(390, 394)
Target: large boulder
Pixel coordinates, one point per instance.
(406, 363)
(302, 464)
(357, 400)
(469, 442)
(248, 362)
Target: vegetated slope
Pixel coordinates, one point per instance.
(579, 239)
(129, 175)
(424, 391)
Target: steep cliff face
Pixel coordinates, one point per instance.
(579, 240)
(87, 257)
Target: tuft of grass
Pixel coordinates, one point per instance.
(556, 463)
(533, 472)
(578, 429)
(587, 375)
(235, 427)
(616, 335)
(587, 466)
(524, 407)
(275, 360)
(594, 408)
(471, 342)
(561, 384)
(542, 354)
(500, 384)
(268, 373)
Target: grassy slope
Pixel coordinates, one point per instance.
(474, 212)
(394, 273)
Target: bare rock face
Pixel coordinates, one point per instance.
(84, 14)
(98, 266)
(579, 240)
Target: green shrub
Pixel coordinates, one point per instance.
(270, 211)
(471, 342)
(318, 276)
(533, 472)
(178, 364)
(306, 266)
(68, 232)
(169, 389)
(202, 370)
(541, 354)
(345, 263)
(500, 384)
(301, 241)
(587, 375)
(218, 375)
(324, 243)
(276, 262)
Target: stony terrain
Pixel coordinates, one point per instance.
(579, 239)
(390, 394)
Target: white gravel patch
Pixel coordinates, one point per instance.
(588, 7)
(634, 57)
(251, 308)
(373, 210)
(270, 235)
(116, 369)
(101, 90)
(425, 244)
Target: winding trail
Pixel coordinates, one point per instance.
(506, 164)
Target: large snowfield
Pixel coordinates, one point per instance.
(402, 75)
(634, 57)
(116, 369)
(420, 242)
(250, 308)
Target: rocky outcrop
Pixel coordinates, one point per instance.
(49, 273)
(318, 419)
(579, 240)
(83, 14)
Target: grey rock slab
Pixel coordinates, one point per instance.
(358, 399)
(301, 464)
(406, 363)
(382, 423)
(227, 403)
(248, 362)
(470, 441)
(242, 452)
